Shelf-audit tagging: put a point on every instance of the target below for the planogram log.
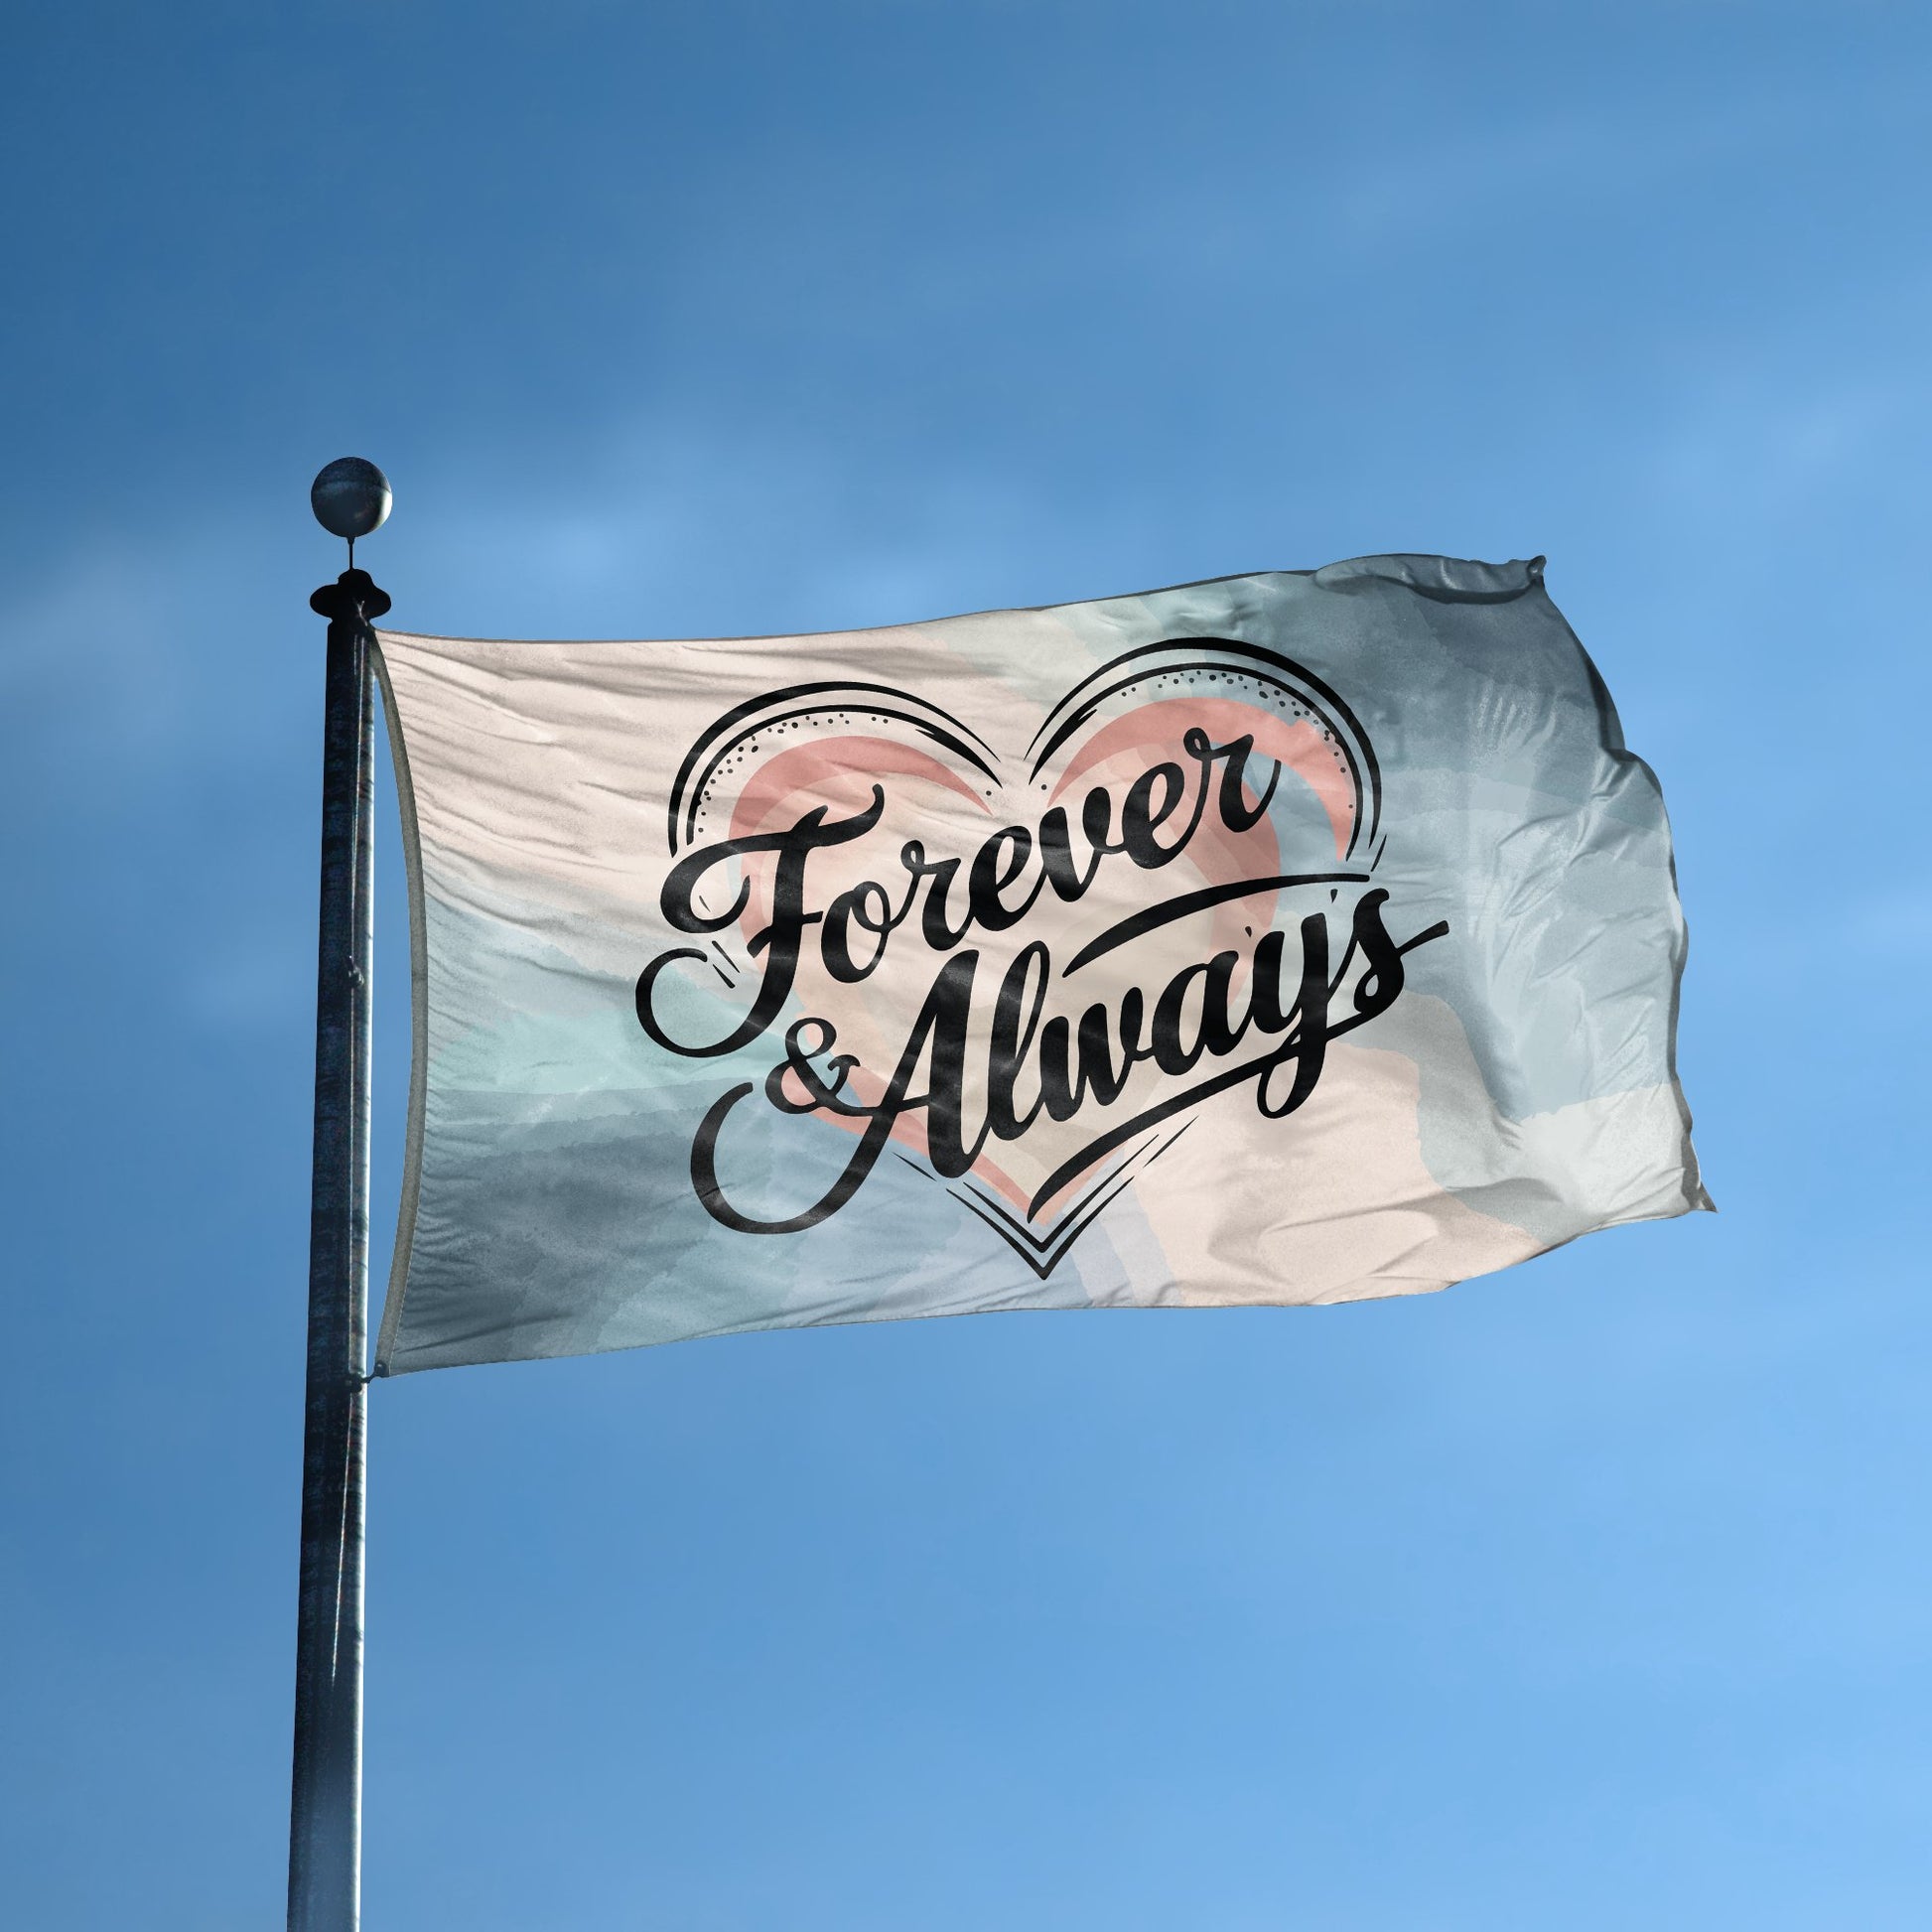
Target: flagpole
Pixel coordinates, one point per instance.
(351, 498)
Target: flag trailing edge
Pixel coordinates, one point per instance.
(1287, 938)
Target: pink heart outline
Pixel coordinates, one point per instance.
(828, 742)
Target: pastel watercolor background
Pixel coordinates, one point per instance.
(1593, 1595)
(1520, 1092)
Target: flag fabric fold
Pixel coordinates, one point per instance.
(1290, 938)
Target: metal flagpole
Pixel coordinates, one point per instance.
(351, 498)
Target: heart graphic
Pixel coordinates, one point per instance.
(1051, 940)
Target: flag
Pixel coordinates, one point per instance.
(1289, 938)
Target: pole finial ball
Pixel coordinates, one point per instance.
(351, 497)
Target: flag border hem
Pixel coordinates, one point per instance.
(412, 1159)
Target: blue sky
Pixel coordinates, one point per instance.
(1593, 1594)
